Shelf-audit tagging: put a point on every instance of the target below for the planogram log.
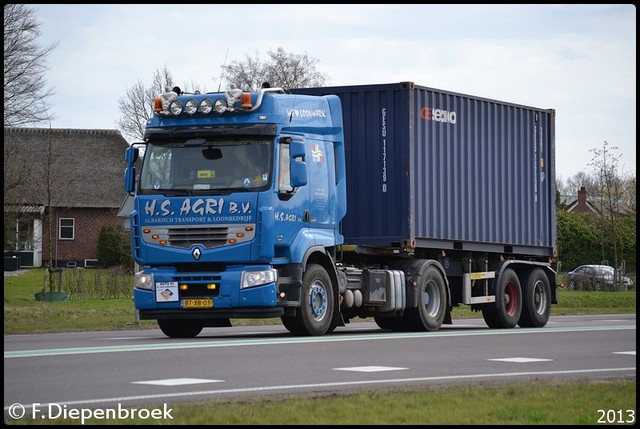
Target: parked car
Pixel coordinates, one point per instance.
(595, 277)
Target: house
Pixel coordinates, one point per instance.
(62, 186)
(580, 204)
(585, 204)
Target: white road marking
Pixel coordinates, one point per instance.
(370, 368)
(632, 353)
(177, 381)
(521, 360)
(351, 384)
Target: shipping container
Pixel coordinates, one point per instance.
(428, 168)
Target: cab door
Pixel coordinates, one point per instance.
(291, 205)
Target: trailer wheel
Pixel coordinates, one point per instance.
(316, 307)
(180, 328)
(508, 302)
(432, 303)
(536, 302)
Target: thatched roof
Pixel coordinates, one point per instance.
(86, 167)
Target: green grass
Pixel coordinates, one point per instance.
(24, 315)
(526, 403)
(522, 403)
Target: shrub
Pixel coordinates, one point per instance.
(113, 248)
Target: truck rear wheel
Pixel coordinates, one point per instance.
(536, 302)
(180, 328)
(316, 307)
(432, 303)
(508, 302)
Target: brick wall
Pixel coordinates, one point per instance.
(88, 223)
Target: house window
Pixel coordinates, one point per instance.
(66, 229)
(24, 234)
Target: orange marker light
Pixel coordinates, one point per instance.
(246, 100)
(157, 105)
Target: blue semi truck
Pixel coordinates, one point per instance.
(395, 202)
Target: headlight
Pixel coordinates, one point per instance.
(144, 281)
(175, 107)
(258, 278)
(220, 105)
(191, 107)
(206, 106)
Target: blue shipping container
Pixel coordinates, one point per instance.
(428, 168)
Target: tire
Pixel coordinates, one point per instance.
(508, 308)
(536, 300)
(314, 316)
(180, 328)
(432, 303)
(395, 324)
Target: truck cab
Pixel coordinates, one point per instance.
(235, 192)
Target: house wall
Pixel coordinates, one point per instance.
(84, 245)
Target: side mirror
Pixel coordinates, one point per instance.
(298, 171)
(130, 156)
(297, 150)
(129, 179)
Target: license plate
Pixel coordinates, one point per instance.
(197, 303)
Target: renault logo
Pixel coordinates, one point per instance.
(196, 253)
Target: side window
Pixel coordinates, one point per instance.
(284, 182)
(66, 229)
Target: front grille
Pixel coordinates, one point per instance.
(208, 237)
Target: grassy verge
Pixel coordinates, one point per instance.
(527, 403)
(24, 315)
(522, 403)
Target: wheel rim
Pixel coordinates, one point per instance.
(318, 300)
(539, 298)
(510, 299)
(431, 299)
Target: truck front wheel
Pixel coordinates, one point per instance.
(180, 328)
(316, 306)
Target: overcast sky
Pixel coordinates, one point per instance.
(577, 59)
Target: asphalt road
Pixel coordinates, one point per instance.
(61, 373)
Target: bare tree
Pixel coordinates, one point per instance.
(605, 163)
(136, 107)
(629, 192)
(582, 180)
(282, 69)
(137, 104)
(16, 172)
(25, 66)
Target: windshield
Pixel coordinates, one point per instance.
(206, 166)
